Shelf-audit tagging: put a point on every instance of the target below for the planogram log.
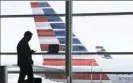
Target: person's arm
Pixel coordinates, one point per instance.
(30, 54)
(32, 51)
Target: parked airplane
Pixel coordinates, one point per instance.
(51, 30)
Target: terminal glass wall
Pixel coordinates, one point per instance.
(106, 33)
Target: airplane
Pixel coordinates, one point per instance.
(101, 49)
(51, 30)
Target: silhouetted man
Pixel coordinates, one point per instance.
(25, 61)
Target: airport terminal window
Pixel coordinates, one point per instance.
(15, 8)
(92, 33)
(112, 32)
(102, 6)
(43, 29)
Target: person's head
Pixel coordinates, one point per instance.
(28, 36)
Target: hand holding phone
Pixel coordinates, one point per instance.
(33, 51)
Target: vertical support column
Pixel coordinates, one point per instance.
(3, 74)
(0, 54)
(0, 51)
(0, 42)
(68, 41)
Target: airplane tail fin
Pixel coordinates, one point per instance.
(101, 49)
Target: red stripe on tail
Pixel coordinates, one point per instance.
(35, 4)
(46, 32)
(75, 62)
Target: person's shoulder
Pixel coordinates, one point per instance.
(20, 42)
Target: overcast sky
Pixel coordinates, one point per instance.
(115, 33)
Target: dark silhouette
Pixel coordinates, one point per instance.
(36, 80)
(25, 61)
(53, 48)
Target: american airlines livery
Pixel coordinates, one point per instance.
(51, 30)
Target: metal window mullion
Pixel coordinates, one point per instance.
(74, 14)
(74, 53)
(69, 41)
